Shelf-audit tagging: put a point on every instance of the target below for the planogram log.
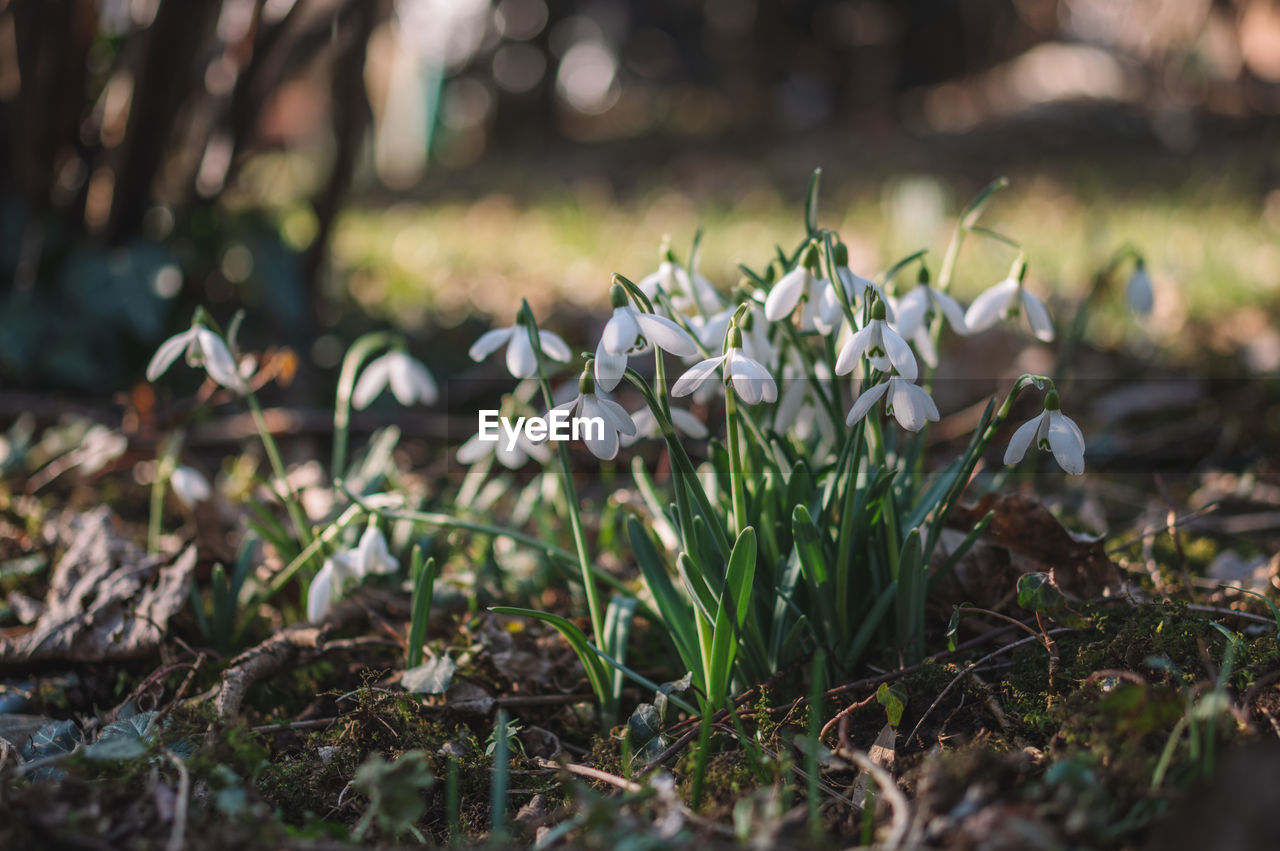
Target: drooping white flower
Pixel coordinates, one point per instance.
(882, 345)
(687, 292)
(1008, 298)
(647, 426)
(801, 283)
(203, 349)
(916, 311)
(910, 404)
(522, 362)
(750, 380)
(189, 485)
(798, 409)
(410, 381)
(513, 456)
(1052, 431)
(632, 332)
(857, 290)
(1138, 291)
(370, 557)
(603, 442)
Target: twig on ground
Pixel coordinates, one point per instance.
(177, 837)
(897, 801)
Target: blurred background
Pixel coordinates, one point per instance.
(335, 165)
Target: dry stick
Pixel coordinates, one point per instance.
(897, 801)
(972, 665)
(628, 786)
(176, 837)
(1171, 523)
(842, 716)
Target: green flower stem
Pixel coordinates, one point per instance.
(736, 483)
(594, 606)
(351, 363)
(961, 480)
(682, 465)
(288, 497)
(166, 462)
(810, 369)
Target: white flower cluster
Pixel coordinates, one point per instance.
(746, 344)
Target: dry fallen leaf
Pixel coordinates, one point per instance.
(1024, 537)
(107, 599)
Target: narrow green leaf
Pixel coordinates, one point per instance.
(596, 673)
(731, 614)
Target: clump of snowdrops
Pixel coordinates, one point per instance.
(798, 521)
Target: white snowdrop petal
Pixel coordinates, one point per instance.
(952, 310)
(988, 307)
(666, 335)
(320, 594)
(608, 368)
(865, 402)
(912, 405)
(1038, 317)
(911, 311)
(785, 295)
(489, 342)
(189, 485)
(371, 383)
(217, 359)
(695, 376)
(751, 380)
(521, 360)
(899, 352)
(620, 331)
(686, 422)
(616, 417)
(168, 352)
(474, 449)
(1067, 449)
(1138, 292)
(554, 346)
(1021, 439)
(854, 349)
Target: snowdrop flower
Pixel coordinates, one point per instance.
(856, 290)
(513, 457)
(1053, 431)
(800, 282)
(1138, 291)
(916, 311)
(409, 380)
(647, 426)
(798, 409)
(370, 556)
(882, 345)
(686, 291)
(910, 405)
(189, 485)
(750, 380)
(326, 586)
(753, 324)
(633, 332)
(1006, 299)
(203, 349)
(603, 443)
(521, 360)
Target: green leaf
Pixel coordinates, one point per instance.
(424, 578)
(894, 701)
(811, 202)
(1036, 593)
(393, 789)
(677, 614)
(731, 614)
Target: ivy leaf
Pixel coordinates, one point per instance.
(894, 701)
(392, 789)
(431, 677)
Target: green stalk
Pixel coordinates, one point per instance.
(736, 483)
(351, 363)
(594, 606)
(165, 464)
(288, 497)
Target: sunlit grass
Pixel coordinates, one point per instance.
(1208, 251)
